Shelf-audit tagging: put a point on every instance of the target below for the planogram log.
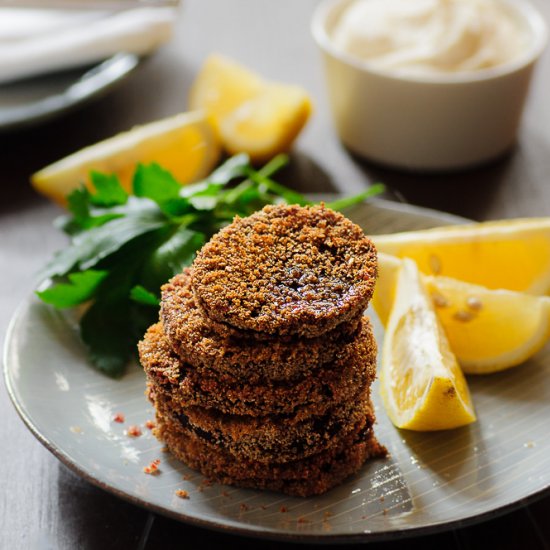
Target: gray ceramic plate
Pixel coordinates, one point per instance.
(431, 481)
(30, 101)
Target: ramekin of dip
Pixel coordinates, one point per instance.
(429, 85)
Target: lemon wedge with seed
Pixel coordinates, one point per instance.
(488, 330)
(185, 144)
(421, 383)
(252, 115)
(512, 254)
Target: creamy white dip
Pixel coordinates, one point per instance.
(431, 36)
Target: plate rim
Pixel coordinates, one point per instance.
(121, 65)
(250, 531)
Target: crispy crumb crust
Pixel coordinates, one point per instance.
(286, 270)
(208, 345)
(269, 438)
(307, 477)
(315, 393)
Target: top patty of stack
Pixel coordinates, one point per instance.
(286, 270)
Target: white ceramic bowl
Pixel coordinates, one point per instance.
(429, 123)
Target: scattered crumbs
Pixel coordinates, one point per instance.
(364, 517)
(463, 316)
(529, 444)
(382, 498)
(182, 493)
(119, 417)
(385, 511)
(283, 510)
(186, 477)
(153, 468)
(263, 507)
(76, 429)
(133, 431)
(327, 527)
(243, 507)
(474, 303)
(302, 519)
(206, 482)
(439, 300)
(149, 424)
(224, 494)
(327, 515)
(435, 264)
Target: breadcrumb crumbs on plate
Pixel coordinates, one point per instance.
(149, 424)
(283, 510)
(133, 431)
(153, 468)
(119, 418)
(182, 493)
(302, 519)
(244, 507)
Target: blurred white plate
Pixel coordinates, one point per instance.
(431, 480)
(34, 100)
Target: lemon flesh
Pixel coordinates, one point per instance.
(252, 115)
(489, 330)
(510, 254)
(185, 144)
(421, 384)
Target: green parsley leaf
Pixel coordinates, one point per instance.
(154, 182)
(108, 334)
(177, 252)
(79, 289)
(109, 191)
(143, 296)
(89, 247)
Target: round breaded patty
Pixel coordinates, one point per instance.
(310, 476)
(270, 438)
(286, 270)
(202, 344)
(315, 393)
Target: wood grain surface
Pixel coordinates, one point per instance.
(42, 504)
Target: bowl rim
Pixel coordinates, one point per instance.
(533, 19)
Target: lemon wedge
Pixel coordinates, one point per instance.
(252, 115)
(489, 330)
(384, 291)
(511, 254)
(184, 144)
(421, 384)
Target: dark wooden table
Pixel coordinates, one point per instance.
(45, 506)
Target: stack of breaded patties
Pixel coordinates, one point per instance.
(261, 365)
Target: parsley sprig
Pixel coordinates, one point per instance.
(123, 247)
